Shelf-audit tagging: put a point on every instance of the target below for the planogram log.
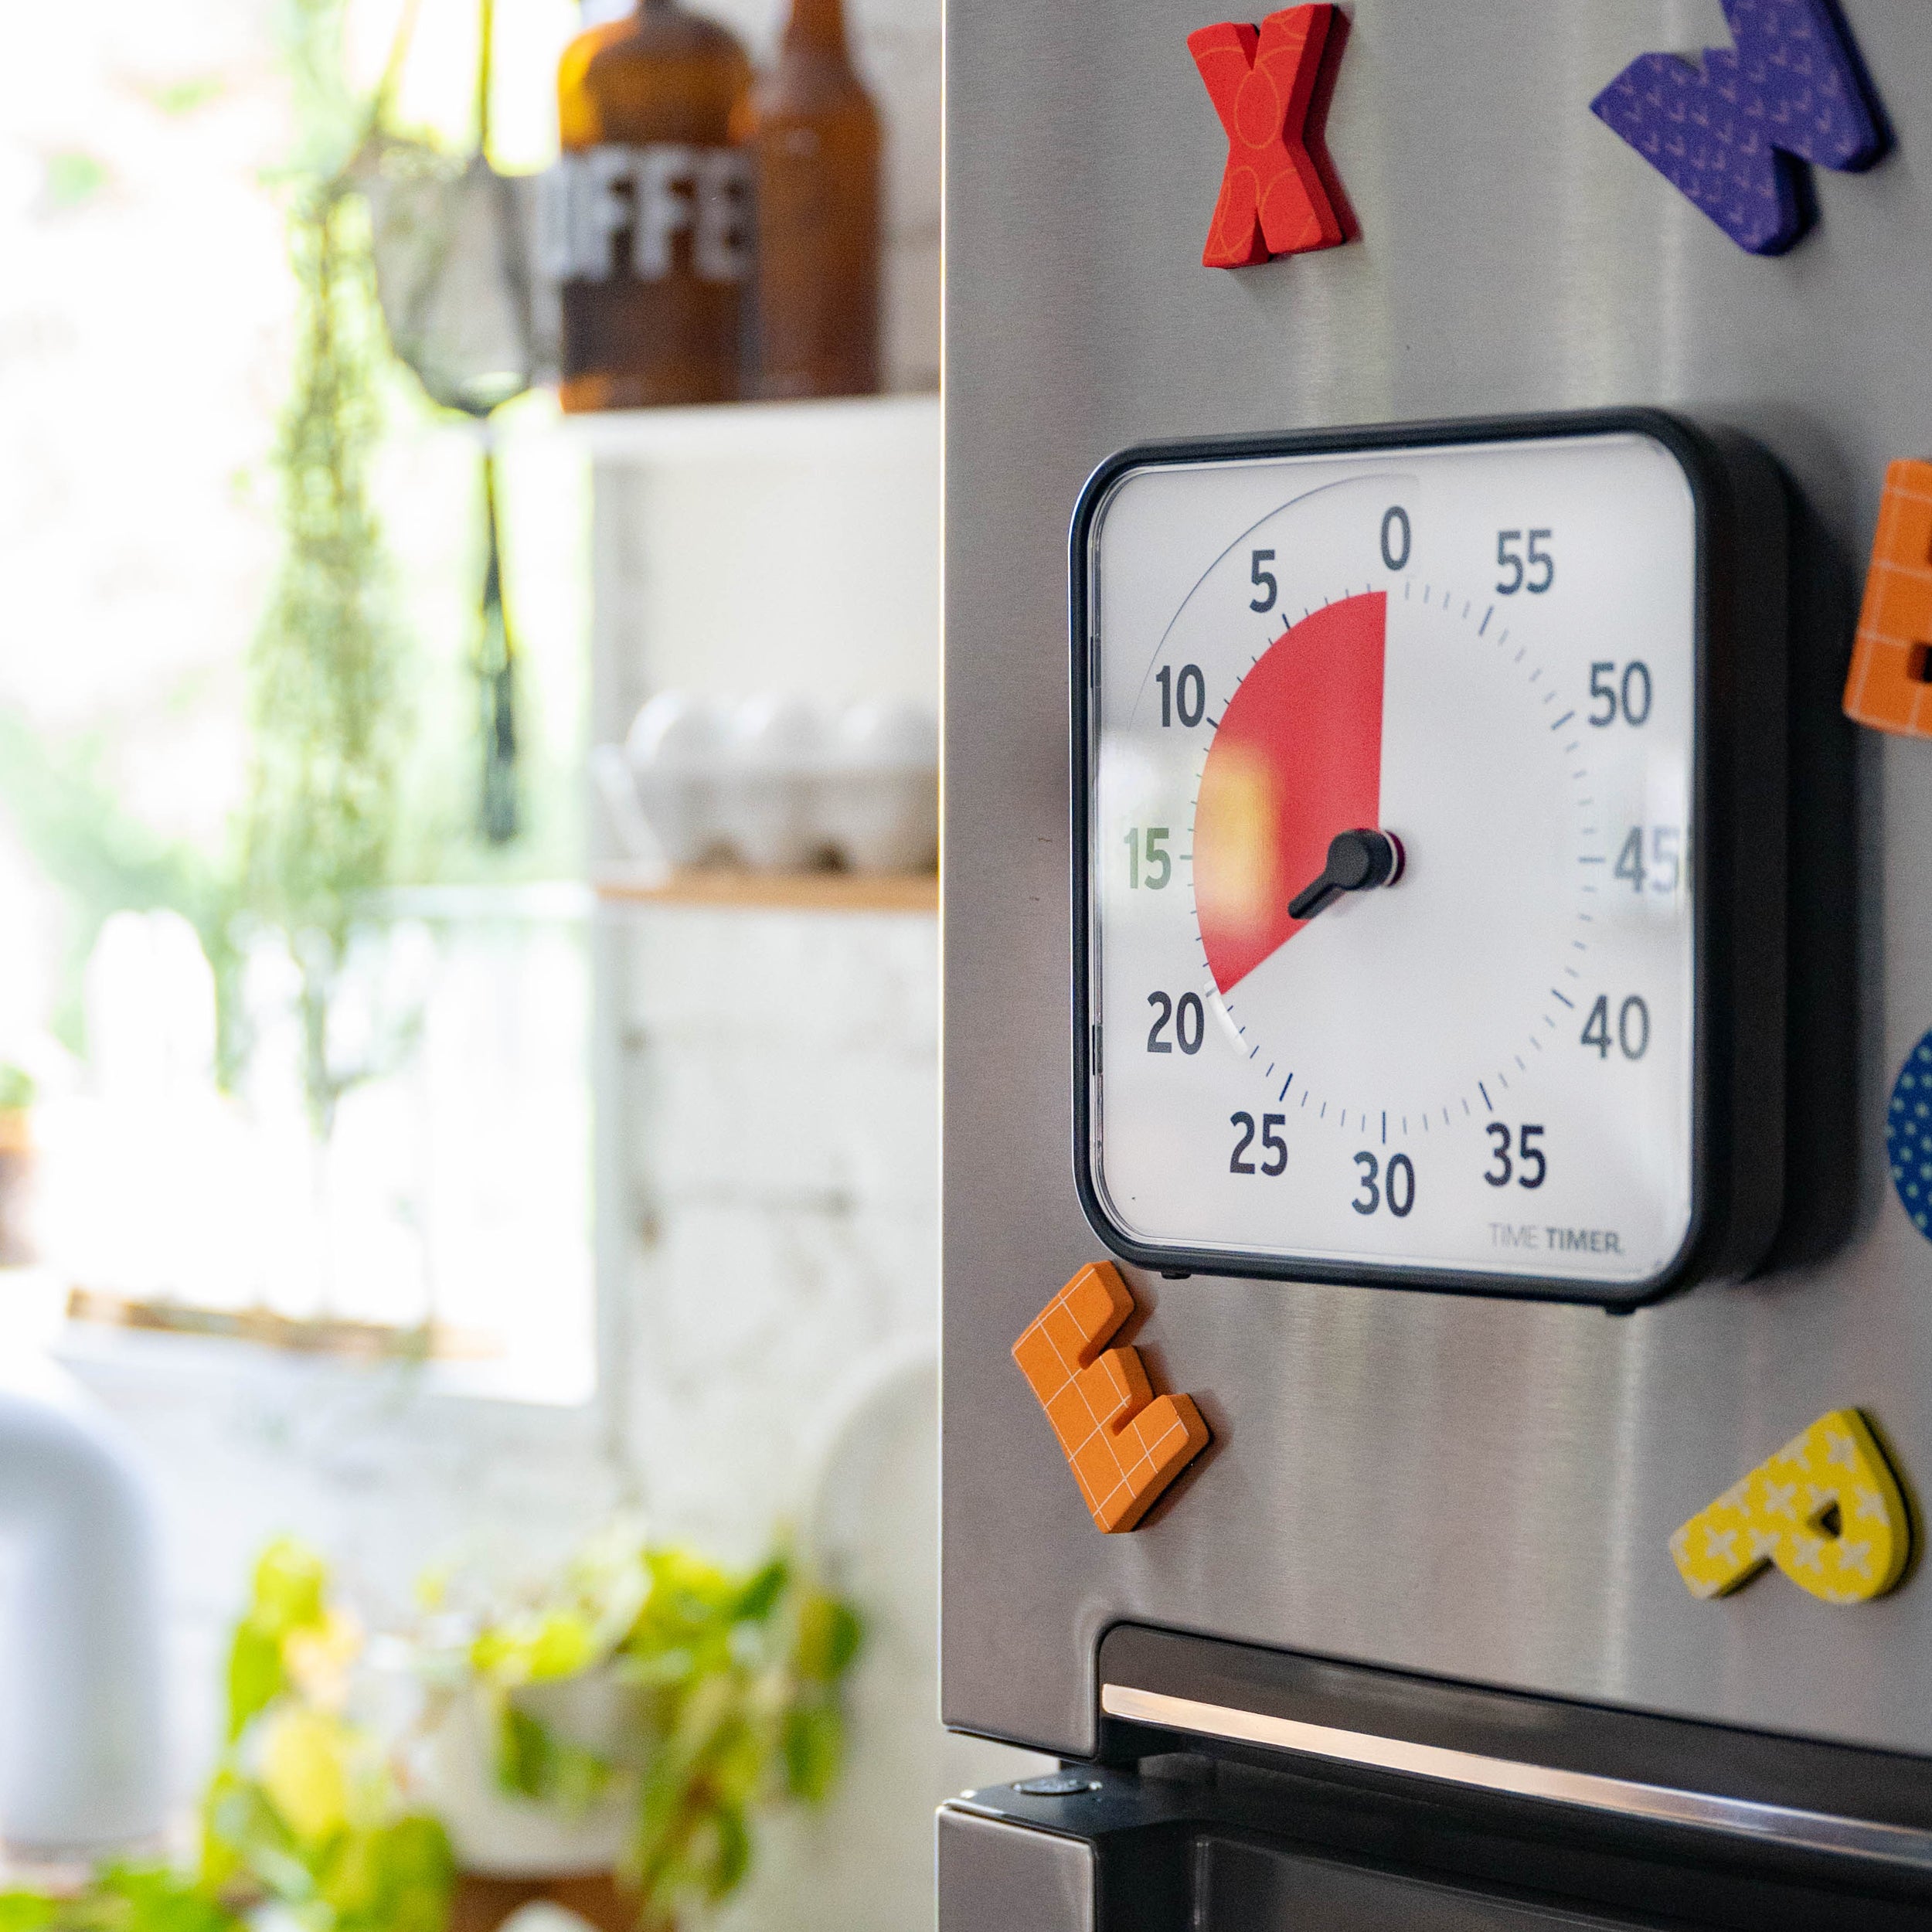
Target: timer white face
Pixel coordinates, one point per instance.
(1389, 765)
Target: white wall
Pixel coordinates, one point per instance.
(798, 550)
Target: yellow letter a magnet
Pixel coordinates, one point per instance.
(1826, 1509)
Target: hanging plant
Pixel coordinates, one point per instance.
(326, 709)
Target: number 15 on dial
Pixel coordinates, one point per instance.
(1429, 832)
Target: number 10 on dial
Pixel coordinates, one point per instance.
(1428, 813)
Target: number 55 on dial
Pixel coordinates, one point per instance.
(1428, 814)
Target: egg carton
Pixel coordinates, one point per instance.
(775, 783)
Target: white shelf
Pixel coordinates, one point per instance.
(739, 432)
(805, 892)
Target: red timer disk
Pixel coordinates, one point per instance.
(1297, 758)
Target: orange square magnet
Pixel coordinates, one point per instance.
(1890, 684)
(1123, 1443)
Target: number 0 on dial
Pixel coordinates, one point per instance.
(1429, 841)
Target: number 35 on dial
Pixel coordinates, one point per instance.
(1429, 832)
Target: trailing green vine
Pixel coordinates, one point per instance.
(326, 708)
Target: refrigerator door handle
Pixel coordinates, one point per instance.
(1744, 1818)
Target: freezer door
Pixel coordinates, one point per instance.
(995, 1874)
(1196, 1844)
(1256, 1888)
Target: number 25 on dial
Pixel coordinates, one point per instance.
(1402, 761)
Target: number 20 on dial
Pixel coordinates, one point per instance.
(1428, 809)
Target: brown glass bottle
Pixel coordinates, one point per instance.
(648, 220)
(814, 136)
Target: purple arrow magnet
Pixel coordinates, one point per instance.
(1733, 134)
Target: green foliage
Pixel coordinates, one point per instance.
(106, 861)
(16, 1092)
(122, 1898)
(533, 1761)
(304, 1808)
(328, 724)
(287, 1599)
(361, 768)
(733, 1680)
(394, 1875)
(325, 705)
(828, 1635)
(176, 98)
(74, 178)
(322, 816)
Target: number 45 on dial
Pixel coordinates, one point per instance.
(1428, 804)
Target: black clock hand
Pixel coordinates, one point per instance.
(1358, 862)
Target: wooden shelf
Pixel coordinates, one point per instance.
(357, 1341)
(803, 892)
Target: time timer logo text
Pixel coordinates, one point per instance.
(1543, 1237)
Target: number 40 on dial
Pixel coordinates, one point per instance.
(1428, 809)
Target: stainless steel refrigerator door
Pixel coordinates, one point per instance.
(1477, 1489)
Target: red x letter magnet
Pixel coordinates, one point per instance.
(1274, 199)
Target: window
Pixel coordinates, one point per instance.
(426, 1187)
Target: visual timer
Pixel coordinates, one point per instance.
(1412, 943)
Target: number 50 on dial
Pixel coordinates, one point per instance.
(1429, 833)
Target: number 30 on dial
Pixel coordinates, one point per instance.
(1428, 814)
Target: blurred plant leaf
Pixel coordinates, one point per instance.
(72, 178)
(534, 1760)
(815, 1751)
(305, 1771)
(121, 1898)
(537, 1649)
(304, 1808)
(286, 1597)
(830, 1634)
(178, 97)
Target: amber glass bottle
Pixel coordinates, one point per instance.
(647, 217)
(815, 136)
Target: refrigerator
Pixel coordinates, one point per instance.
(1437, 608)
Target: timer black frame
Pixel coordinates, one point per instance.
(1738, 751)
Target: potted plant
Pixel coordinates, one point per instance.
(612, 1738)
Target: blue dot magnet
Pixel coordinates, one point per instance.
(1908, 1138)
